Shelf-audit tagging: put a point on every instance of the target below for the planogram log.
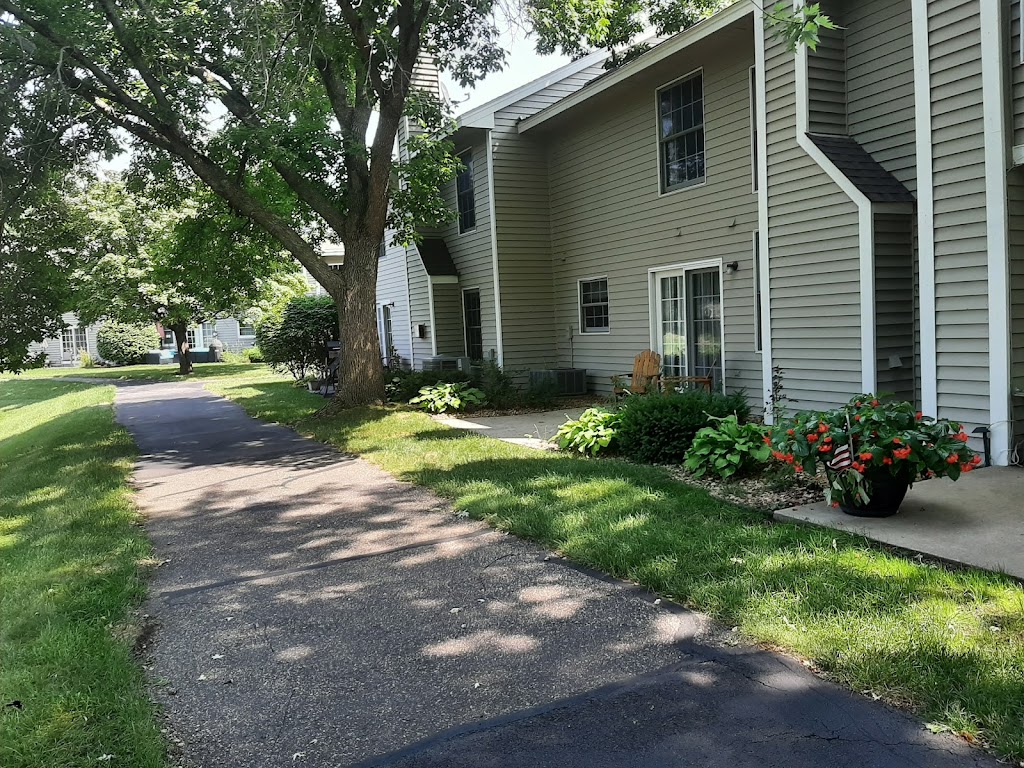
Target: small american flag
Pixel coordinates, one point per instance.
(842, 458)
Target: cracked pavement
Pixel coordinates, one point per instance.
(314, 611)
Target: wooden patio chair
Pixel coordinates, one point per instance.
(645, 378)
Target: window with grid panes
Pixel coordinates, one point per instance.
(465, 193)
(681, 133)
(594, 305)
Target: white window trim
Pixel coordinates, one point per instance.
(245, 335)
(657, 132)
(654, 309)
(579, 305)
(767, 360)
(458, 222)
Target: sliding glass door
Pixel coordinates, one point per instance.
(688, 322)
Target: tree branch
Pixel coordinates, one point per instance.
(138, 59)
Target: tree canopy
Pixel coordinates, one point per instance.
(269, 104)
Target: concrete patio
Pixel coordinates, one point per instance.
(978, 520)
(532, 430)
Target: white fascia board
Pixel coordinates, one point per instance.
(483, 116)
(443, 279)
(866, 227)
(662, 51)
(761, 99)
(925, 207)
(996, 155)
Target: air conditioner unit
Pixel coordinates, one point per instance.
(440, 363)
(563, 381)
(465, 364)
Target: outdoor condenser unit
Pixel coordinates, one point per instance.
(564, 381)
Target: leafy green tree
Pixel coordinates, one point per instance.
(143, 260)
(269, 98)
(296, 340)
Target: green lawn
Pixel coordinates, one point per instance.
(947, 644)
(148, 372)
(71, 574)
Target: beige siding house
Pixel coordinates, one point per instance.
(853, 216)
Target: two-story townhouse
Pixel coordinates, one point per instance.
(853, 216)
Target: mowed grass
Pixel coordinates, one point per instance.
(140, 372)
(70, 576)
(947, 644)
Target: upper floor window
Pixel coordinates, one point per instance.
(681, 133)
(464, 191)
(246, 329)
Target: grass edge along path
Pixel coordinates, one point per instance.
(72, 572)
(946, 644)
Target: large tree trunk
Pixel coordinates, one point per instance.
(361, 372)
(184, 350)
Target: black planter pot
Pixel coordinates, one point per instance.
(887, 493)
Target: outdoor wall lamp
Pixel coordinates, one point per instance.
(732, 267)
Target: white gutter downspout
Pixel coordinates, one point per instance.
(761, 99)
(866, 235)
(408, 311)
(494, 250)
(996, 155)
(925, 207)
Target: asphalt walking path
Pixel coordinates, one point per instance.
(314, 611)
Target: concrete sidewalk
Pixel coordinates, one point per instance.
(314, 611)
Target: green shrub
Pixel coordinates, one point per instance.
(403, 386)
(727, 448)
(233, 358)
(126, 344)
(85, 359)
(593, 432)
(253, 355)
(497, 385)
(450, 396)
(659, 429)
(296, 340)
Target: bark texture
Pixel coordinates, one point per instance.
(184, 349)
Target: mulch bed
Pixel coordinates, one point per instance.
(763, 492)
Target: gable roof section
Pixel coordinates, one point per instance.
(483, 116)
(437, 261)
(669, 47)
(877, 184)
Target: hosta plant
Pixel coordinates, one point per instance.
(593, 432)
(727, 448)
(450, 396)
(868, 440)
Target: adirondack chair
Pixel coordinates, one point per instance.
(646, 376)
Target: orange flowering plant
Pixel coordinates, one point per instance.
(867, 440)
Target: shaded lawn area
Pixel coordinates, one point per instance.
(141, 372)
(947, 644)
(71, 556)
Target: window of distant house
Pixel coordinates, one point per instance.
(246, 329)
(465, 193)
(594, 305)
(681, 133)
(389, 330)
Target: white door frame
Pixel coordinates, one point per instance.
(654, 303)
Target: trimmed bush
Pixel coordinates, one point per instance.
(126, 344)
(659, 429)
(296, 341)
(253, 355)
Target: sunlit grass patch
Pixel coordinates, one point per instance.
(70, 549)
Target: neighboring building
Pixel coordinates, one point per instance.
(76, 340)
(853, 216)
